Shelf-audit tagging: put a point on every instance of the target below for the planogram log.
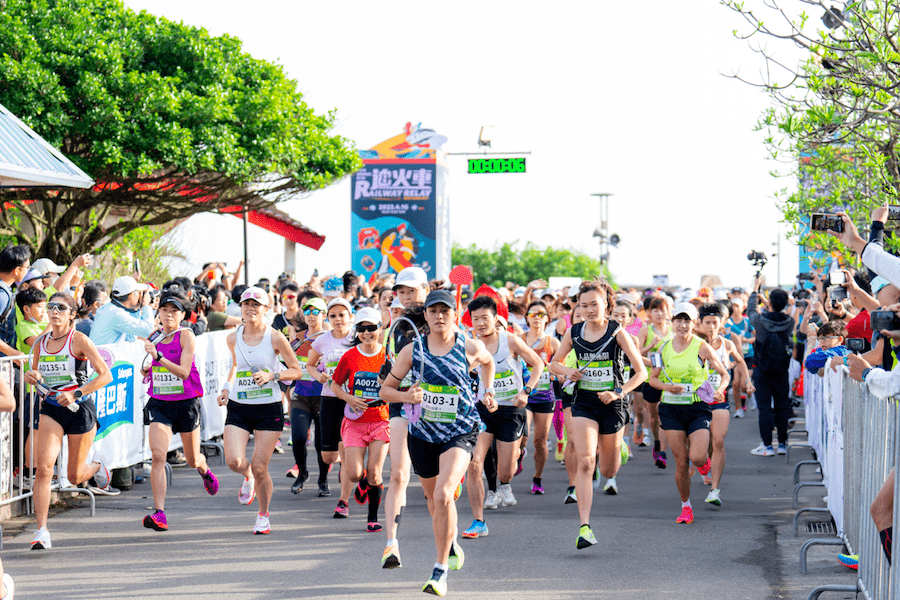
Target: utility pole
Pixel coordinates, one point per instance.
(603, 231)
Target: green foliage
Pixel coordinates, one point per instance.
(150, 245)
(507, 263)
(174, 120)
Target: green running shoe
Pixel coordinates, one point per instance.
(585, 538)
(437, 585)
(457, 557)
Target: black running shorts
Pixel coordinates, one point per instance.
(255, 417)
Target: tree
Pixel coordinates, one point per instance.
(506, 263)
(835, 118)
(169, 120)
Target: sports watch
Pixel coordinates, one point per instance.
(865, 372)
(527, 390)
(78, 394)
(618, 391)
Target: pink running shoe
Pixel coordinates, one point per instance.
(248, 492)
(704, 470)
(210, 483)
(156, 521)
(686, 516)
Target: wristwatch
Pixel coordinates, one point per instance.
(618, 391)
(527, 390)
(78, 394)
(277, 376)
(865, 372)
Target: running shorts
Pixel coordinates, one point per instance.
(651, 394)
(72, 423)
(255, 417)
(309, 404)
(181, 416)
(720, 406)
(610, 417)
(506, 424)
(331, 415)
(686, 418)
(426, 456)
(541, 407)
(360, 435)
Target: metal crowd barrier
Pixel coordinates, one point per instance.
(13, 476)
(855, 437)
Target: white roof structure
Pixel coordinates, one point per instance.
(27, 160)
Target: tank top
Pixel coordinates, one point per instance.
(306, 386)
(743, 330)
(261, 356)
(165, 385)
(605, 371)
(722, 354)
(651, 329)
(507, 373)
(448, 404)
(544, 390)
(330, 350)
(683, 368)
(61, 369)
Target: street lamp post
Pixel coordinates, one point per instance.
(602, 232)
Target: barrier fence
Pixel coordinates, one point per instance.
(854, 436)
(121, 435)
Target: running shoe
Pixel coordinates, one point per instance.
(704, 470)
(248, 492)
(851, 561)
(458, 491)
(506, 496)
(638, 438)
(585, 538)
(646, 441)
(625, 452)
(262, 525)
(297, 486)
(560, 451)
(751, 402)
(391, 557)
(610, 488)
(41, 540)
(739, 413)
(492, 500)
(373, 527)
(101, 477)
(763, 450)
(210, 483)
(660, 458)
(324, 490)
(437, 585)
(156, 521)
(782, 449)
(457, 556)
(536, 489)
(686, 516)
(595, 481)
(293, 472)
(278, 450)
(10, 586)
(476, 530)
(522, 455)
(361, 493)
(341, 511)
(570, 495)
(707, 480)
(713, 497)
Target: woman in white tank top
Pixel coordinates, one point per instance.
(254, 400)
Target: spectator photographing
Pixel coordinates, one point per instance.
(127, 316)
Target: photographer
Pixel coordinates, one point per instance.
(873, 256)
(127, 316)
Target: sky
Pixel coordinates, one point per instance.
(627, 98)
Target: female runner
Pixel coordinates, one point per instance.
(62, 356)
(542, 400)
(653, 335)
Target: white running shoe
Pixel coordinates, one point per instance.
(262, 525)
(41, 540)
(610, 488)
(647, 441)
(713, 497)
(248, 492)
(751, 402)
(101, 477)
(596, 481)
(492, 500)
(10, 587)
(506, 496)
(763, 450)
(739, 413)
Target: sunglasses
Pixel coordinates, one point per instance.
(537, 314)
(312, 311)
(289, 297)
(57, 307)
(368, 327)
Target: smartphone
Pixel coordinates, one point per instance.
(656, 360)
(805, 276)
(884, 320)
(295, 345)
(137, 266)
(155, 337)
(826, 222)
(802, 304)
(894, 212)
(837, 293)
(856, 344)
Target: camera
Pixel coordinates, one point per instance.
(834, 278)
(884, 320)
(757, 257)
(837, 293)
(826, 222)
(802, 303)
(893, 212)
(805, 276)
(801, 294)
(856, 345)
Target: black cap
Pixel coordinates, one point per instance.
(466, 293)
(440, 297)
(737, 290)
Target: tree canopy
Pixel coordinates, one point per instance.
(835, 117)
(506, 263)
(169, 120)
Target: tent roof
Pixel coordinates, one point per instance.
(278, 221)
(27, 160)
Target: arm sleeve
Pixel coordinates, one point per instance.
(882, 262)
(883, 384)
(752, 314)
(876, 236)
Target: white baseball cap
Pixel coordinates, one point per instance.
(368, 315)
(686, 308)
(45, 265)
(343, 302)
(396, 303)
(256, 294)
(412, 277)
(125, 285)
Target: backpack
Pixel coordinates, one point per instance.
(773, 350)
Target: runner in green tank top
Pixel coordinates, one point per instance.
(653, 335)
(684, 413)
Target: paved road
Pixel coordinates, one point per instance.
(743, 550)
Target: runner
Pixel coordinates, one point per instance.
(174, 404)
(442, 439)
(365, 425)
(566, 398)
(711, 316)
(411, 287)
(254, 405)
(683, 414)
(326, 352)
(653, 335)
(62, 356)
(599, 411)
(623, 314)
(306, 399)
(507, 423)
(542, 400)
(739, 328)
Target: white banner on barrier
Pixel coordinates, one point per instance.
(120, 405)
(833, 451)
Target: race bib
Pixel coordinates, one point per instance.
(53, 369)
(686, 397)
(305, 376)
(166, 383)
(715, 380)
(366, 387)
(330, 368)
(544, 382)
(506, 387)
(597, 377)
(440, 403)
(247, 388)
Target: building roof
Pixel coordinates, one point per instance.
(281, 223)
(27, 160)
